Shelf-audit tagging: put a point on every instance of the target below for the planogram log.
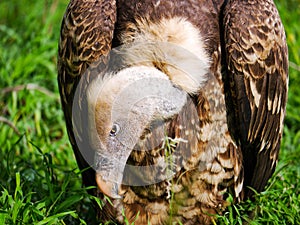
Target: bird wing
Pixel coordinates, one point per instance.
(255, 73)
(85, 37)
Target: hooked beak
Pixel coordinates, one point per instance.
(109, 173)
(109, 188)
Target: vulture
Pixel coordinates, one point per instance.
(172, 106)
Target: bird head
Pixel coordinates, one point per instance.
(121, 106)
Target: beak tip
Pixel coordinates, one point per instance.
(111, 189)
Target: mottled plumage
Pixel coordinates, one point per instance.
(224, 122)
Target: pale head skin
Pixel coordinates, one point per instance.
(119, 121)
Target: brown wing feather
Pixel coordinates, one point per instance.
(86, 35)
(256, 80)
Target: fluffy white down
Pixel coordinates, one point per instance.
(174, 46)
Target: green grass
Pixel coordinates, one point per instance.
(39, 179)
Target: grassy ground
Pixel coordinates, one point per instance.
(39, 180)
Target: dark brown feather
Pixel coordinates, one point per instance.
(256, 74)
(85, 37)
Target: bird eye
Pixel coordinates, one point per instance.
(114, 130)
